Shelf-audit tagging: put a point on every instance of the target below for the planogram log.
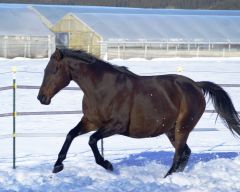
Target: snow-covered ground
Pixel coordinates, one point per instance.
(139, 164)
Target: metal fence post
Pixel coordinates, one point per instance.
(5, 46)
(102, 149)
(49, 46)
(145, 50)
(14, 70)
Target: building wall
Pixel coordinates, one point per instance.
(80, 36)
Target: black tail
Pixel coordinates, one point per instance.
(223, 105)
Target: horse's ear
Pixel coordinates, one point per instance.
(58, 54)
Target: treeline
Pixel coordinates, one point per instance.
(180, 4)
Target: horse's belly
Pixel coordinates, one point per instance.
(152, 114)
(149, 127)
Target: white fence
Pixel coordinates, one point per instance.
(27, 46)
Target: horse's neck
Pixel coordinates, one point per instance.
(84, 75)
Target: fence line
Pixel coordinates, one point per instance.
(6, 136)
(155, 73)
(14, 114)
(34, 87)
(71, 112)
(64, 113)
(38, 87)
(77, 88)
(42, 113)
(25, 135)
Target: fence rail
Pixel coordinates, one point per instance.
(42, 113)
(77, 88)
(23, 135)
(65, 113)
(72, 112)
(6, 136)
(34, 87)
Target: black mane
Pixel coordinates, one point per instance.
(91, 59)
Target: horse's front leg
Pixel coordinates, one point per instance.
(78, 130)
(107, 131)
(98, 157)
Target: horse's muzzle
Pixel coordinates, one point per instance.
(44, 99)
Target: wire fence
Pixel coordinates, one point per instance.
(37, 113)
(14, 113)
(43, 47)
(27, 46)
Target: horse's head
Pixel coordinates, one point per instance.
(56, 77)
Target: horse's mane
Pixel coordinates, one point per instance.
(91, 59)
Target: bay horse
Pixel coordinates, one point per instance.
(117, 101)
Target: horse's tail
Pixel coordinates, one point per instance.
(223, 105)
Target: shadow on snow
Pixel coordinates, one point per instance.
(165, 158)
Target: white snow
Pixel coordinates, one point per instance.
(139, 164)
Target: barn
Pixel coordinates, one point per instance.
(22, 34)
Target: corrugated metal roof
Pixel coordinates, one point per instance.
(21, 21)
(55, 12)
(129, 24)
(154, 27)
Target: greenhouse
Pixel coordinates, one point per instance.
(22, 34)
(135, 32)
(51, 14)
(150, 35)
(111, 32)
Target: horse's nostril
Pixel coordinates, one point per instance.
(41, 98)
(44, 98)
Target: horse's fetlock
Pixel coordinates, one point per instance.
(61, 156)
(100, 161)
(187, 151)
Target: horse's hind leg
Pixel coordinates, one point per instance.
(62, 154)
(182, 151)
(178, 137)
(191, 109)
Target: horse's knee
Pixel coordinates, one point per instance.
(92, 141)
(69, 137)
(72, 134)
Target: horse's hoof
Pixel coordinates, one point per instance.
(166, 175)
(57, 168)
(108, 165)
